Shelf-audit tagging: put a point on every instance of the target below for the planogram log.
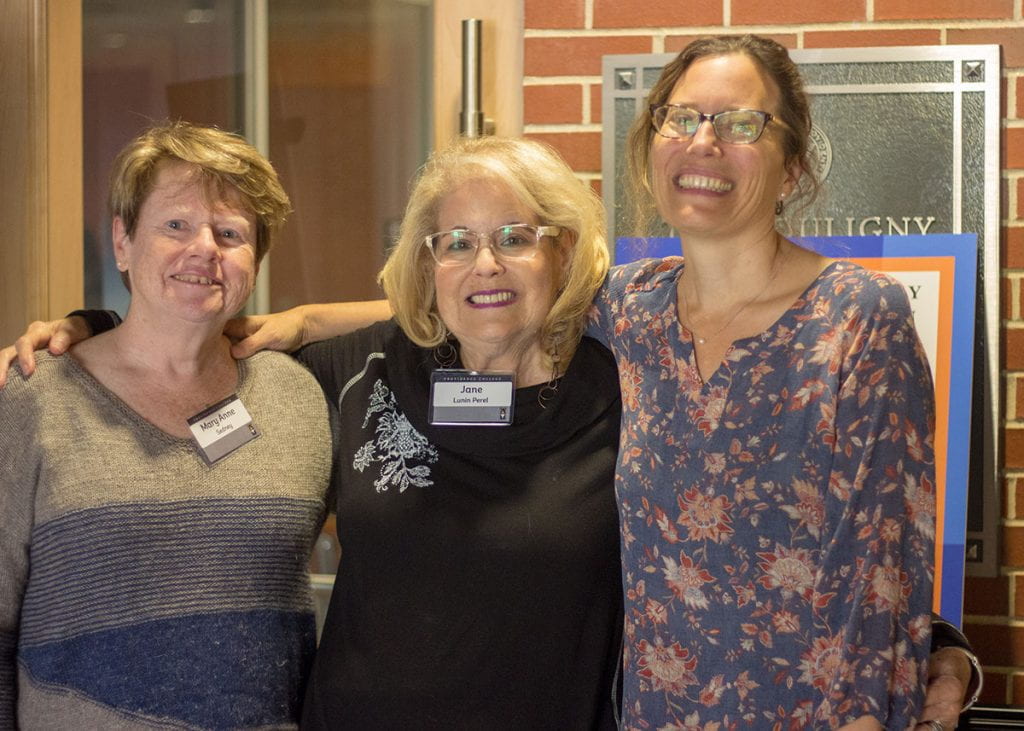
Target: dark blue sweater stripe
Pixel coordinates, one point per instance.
(182, 669)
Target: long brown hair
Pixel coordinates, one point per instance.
(794, 111)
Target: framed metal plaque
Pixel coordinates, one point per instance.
(905, 141)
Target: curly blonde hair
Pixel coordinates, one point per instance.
(546, 185)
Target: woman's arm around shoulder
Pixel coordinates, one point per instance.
(291, 329)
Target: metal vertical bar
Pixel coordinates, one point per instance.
(471, 118)
(257, 118)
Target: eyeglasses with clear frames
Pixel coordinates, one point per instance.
(513, 241)
(736, 126)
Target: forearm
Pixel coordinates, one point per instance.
(323, 321)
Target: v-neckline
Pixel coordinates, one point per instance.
(685, 336)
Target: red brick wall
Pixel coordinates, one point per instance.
(564, 42)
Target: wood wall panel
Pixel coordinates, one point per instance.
(41, 160)
(502, 61)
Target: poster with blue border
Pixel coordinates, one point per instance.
(940, 274)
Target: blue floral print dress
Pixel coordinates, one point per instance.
(777, 521)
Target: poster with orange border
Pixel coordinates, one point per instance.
(940, 274)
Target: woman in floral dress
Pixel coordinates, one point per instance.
(776, 475)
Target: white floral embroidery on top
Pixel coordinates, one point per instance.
(396, 442)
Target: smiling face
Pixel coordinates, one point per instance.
(495, 308)
(191, 256)
(706, 187)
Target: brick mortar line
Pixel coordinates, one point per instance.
(1010, 413)
(555, 80)
(561, 128)
(994, 620)
(844, 26)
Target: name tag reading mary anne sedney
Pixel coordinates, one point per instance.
(222, 428)
(470, 398)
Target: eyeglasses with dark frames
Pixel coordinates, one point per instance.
(736, 126)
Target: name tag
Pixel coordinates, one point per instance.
(222, 428)
(461, 397)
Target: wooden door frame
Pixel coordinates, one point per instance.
(41, 275)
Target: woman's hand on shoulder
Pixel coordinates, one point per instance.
(55, 335)
(281, 331)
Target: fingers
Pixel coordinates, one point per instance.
(266, 338)
(942, 702)
(247, 334)
(244, 348)
(55, 335)
(66, 333)
(281, 331)
(26, 354)
(7, 356)
(950, 662)
(238, 328)
(36, 336)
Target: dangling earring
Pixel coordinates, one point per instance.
(551, 387)
(445, 353)
(780, 205)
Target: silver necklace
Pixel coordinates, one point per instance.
(776, 266)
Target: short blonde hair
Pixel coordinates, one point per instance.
(224, 163)
(546, 185)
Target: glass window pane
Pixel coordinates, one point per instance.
(143, 63)
(349, 126)
(349, 121)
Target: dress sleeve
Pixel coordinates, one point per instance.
(875, 590)
(17, 488)
(607, 317)
(599, 319)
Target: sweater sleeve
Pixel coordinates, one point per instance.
(18, 477)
